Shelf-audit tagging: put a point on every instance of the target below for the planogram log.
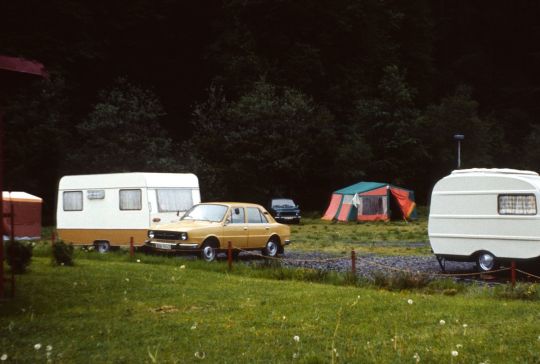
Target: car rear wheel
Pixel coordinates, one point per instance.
(102, 246)
(208, 251)
(486, 262)
(272, 248)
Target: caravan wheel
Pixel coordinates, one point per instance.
(486, 262)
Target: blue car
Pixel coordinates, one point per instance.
(285, 210)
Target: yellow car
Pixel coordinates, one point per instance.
(207, 228)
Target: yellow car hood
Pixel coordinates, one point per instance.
(186, 225)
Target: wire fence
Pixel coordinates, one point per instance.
(356, 260)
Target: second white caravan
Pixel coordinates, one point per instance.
(107, 210)
(485, 215)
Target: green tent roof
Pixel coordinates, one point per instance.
(361, 187)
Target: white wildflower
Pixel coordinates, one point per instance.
(465, 326)
(200, 355)
(442, 322)
(416, 357)
(127, 279)
(285, 317)
(454, 353)
(296, 338)
(37, 346)
(410, 301)
(3, 357)
(194, 326)
(48, 348)
(295, 355)
(182, 267)
(138, 260)
(459, 346)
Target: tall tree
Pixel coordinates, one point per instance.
(271, 140)
(123, 133)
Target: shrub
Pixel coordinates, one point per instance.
(62, 253)
(400, 280)
(524, 291)
(18, 255)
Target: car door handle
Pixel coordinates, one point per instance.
(267, 228)
(245, 227)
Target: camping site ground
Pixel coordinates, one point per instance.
(113, 308)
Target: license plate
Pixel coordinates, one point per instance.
(287, 217)
(163, 246)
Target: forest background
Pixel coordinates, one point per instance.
(271, 97)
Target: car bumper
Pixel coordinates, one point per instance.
(168, 246)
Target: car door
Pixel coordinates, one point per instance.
(258, 228)
(235, 229)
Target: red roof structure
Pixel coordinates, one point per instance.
(21, 65)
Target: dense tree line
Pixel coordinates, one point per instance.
(264, 97)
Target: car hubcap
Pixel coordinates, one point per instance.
(486, 261)
(271, 247)
(208, 253)
(102, 248)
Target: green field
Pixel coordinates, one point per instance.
(108, 309)
(155, 309)
(387, 238)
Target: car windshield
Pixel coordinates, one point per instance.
(283, 202)
(206, 213)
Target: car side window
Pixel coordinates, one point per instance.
(237, 215)
(255, 216)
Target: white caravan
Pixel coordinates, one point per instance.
(109, 209)
(485, 215)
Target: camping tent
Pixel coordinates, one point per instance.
(27, 215)
(369, 201)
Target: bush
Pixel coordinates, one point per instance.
(18, 255)
(523, 291)
(400, 280)
(62, 253)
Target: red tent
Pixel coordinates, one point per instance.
(27, 215)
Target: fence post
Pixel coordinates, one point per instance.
(229, 255)
(353, 262)
(513, 273)
(131, 248)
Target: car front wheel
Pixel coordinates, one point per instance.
(208, 252)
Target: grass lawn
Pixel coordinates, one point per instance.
(108, 309)
(387, 238)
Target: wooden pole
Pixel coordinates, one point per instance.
(1, 208)
(513, 273)
(131, 248)
(229, 255)
(353, 263)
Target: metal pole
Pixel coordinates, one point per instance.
(459, 154)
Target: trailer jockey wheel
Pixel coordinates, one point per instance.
(486, 262)
(102, 246)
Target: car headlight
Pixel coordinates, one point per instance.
(151, 234)
(183, 236)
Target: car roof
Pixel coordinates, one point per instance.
(244, 204)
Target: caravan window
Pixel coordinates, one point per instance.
(130, 200)
(73, 200)
(517, 204)
(170, 200)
